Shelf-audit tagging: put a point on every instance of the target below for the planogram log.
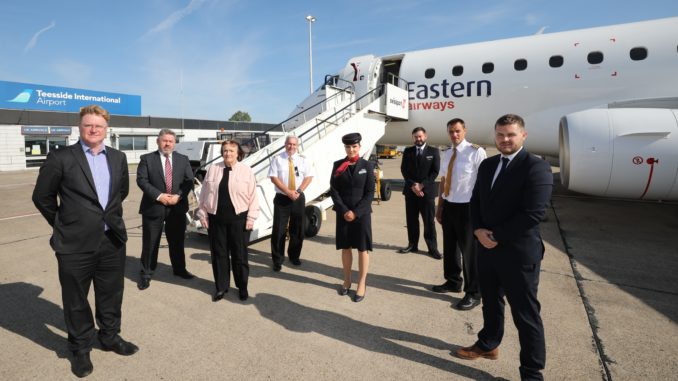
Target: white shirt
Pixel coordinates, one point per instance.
(464, 171)
(510, 157)
(303, 168)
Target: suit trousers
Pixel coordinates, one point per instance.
(284, 211)
(228, 243)
(414, 206)
(104, 267)
(175, 232)
(458, 233)
(519, 283)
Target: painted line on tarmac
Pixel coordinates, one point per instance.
(15, 185)
(21, 216)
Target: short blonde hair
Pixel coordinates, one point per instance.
(95, 109)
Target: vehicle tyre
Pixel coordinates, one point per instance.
(385, 190)
(312, 221)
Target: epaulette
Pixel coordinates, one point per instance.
(302, 156)
(475, 146)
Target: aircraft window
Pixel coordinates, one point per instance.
(520, 64)
(457, 70)
(488, 67)
(556, 61)
(430, 73)
(638, 54)
(595, 58)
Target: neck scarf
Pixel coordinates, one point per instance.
(345, 164)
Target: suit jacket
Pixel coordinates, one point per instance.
(423, 169)
(353, 191)
(151, 180)
(513, 208)
(77, 218)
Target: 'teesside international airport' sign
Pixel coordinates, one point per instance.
(15, 95)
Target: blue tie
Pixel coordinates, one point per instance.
(504, 163)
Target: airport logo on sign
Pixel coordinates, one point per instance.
(23, 96)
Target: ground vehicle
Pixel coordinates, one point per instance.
(386, 152)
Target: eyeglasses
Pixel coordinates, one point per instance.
(97, 127)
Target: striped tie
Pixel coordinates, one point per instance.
(168, 174)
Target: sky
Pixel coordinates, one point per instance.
(207, 59)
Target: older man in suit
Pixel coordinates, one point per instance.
(79, 191)
(165, 177)
(419, 167)
(509, 201)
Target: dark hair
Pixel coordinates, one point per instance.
(417, 129)
(241, 153)
(454, 121)
(510, 119)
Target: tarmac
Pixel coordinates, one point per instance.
(608, 291)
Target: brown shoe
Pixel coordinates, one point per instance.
(473, 353)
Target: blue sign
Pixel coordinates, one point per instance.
(27, 96)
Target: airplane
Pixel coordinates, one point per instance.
(603, 100)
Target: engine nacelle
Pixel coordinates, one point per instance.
(621, 152)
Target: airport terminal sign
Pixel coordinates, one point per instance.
(15, 95)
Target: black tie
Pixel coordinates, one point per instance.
(418, 151)
(504, 163)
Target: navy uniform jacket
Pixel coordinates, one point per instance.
(151, 180)
(423, 169)
(514, 207)
(77, 217)
(353, 191)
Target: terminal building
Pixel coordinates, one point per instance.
(35, 119)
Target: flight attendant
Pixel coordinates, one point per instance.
(352, 189)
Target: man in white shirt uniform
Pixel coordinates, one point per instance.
(458, 171)
(291, 173)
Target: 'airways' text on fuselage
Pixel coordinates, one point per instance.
(446, 89)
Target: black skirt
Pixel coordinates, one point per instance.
(356, 234)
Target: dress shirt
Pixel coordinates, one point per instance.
(280, 168)
(98, 165)
(464, 171)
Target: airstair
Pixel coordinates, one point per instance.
(319, 129)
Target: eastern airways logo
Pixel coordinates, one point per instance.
(23, 96)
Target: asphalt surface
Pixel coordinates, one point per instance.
(608, 291)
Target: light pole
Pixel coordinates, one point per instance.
(311, 20)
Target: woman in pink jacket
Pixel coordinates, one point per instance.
(228, 209)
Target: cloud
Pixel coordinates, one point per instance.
(176, 16)
(34, 40)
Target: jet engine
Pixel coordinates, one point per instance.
(621, 152)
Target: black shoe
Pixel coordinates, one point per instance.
(81, 365)
(435, 254)
(446, 287)
(343, 291)
(143, 283)
(358, 298)
(408, 249)
(121, 347)
(243, 295)
(218, 295)
(277, 267)
(184, 274)
(468, 302)
(296, 262)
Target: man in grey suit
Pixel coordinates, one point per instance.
(79, 191)
(166, 179)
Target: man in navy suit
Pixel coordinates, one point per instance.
(79, 191)
(509, 201)
(419, 167)
(166, 179)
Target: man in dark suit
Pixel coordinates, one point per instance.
(419, 167)
(508, 203)
(166, 179)
(79, 191)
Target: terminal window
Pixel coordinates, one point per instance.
(132, 143)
